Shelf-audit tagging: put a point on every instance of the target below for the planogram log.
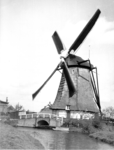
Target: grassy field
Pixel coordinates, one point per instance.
(13, 138)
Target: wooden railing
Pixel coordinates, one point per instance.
(39, 115)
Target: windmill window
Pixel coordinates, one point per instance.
(73, 71)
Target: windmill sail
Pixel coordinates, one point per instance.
(85, 31)
(71, 86)
(58, 43)
(36, 93)
(69, 80)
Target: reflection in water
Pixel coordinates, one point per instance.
(66, 140)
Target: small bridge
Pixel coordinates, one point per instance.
(40, 120)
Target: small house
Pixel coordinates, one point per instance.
(3, 107)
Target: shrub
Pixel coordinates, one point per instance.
(96, 123)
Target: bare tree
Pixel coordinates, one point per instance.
(18, 107)
(108, 112)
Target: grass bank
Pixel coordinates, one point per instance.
(104, 136)
(13, 138)
(105, 133)
(95, 128)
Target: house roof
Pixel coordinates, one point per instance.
(46, 110)
(3, 102)
(11, 108)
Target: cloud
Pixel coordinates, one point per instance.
(102, 32)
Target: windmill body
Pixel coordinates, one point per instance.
(84, 98)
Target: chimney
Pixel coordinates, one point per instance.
(7, 99)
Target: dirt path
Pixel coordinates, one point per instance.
(13, 138)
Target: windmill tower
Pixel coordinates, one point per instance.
(78, 89)
(85, 99)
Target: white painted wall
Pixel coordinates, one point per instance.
(62, 113)
(22, 113)
(79, 115)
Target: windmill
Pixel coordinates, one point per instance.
(70, 60)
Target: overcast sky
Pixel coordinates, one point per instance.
(28, 54)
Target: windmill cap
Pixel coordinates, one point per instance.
(77, 61)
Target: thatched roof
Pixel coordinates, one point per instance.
(83, 99)
(46, 110)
